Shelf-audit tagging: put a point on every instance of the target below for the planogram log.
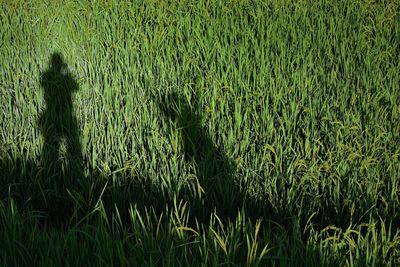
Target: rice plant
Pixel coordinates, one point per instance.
(204, 133)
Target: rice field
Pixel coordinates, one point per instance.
(200, 133)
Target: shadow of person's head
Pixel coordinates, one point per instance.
(57, 63)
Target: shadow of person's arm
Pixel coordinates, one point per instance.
(71, 82)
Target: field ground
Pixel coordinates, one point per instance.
(200, 133)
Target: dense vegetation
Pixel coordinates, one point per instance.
(202, 133)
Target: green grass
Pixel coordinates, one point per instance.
(203, 133)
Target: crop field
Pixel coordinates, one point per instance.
(200, 133)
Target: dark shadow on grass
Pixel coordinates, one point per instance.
(61, 152)
(61, 196)
(215, 172)
(43, 184)
(55, 186)
(61, 157)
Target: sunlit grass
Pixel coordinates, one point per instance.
(222, 132)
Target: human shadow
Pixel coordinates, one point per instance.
(219, 191)
(61, 164)
(58, 187)
(58, 122)
(55, 185)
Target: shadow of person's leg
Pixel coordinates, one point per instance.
(50, 157)
(75, 156)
